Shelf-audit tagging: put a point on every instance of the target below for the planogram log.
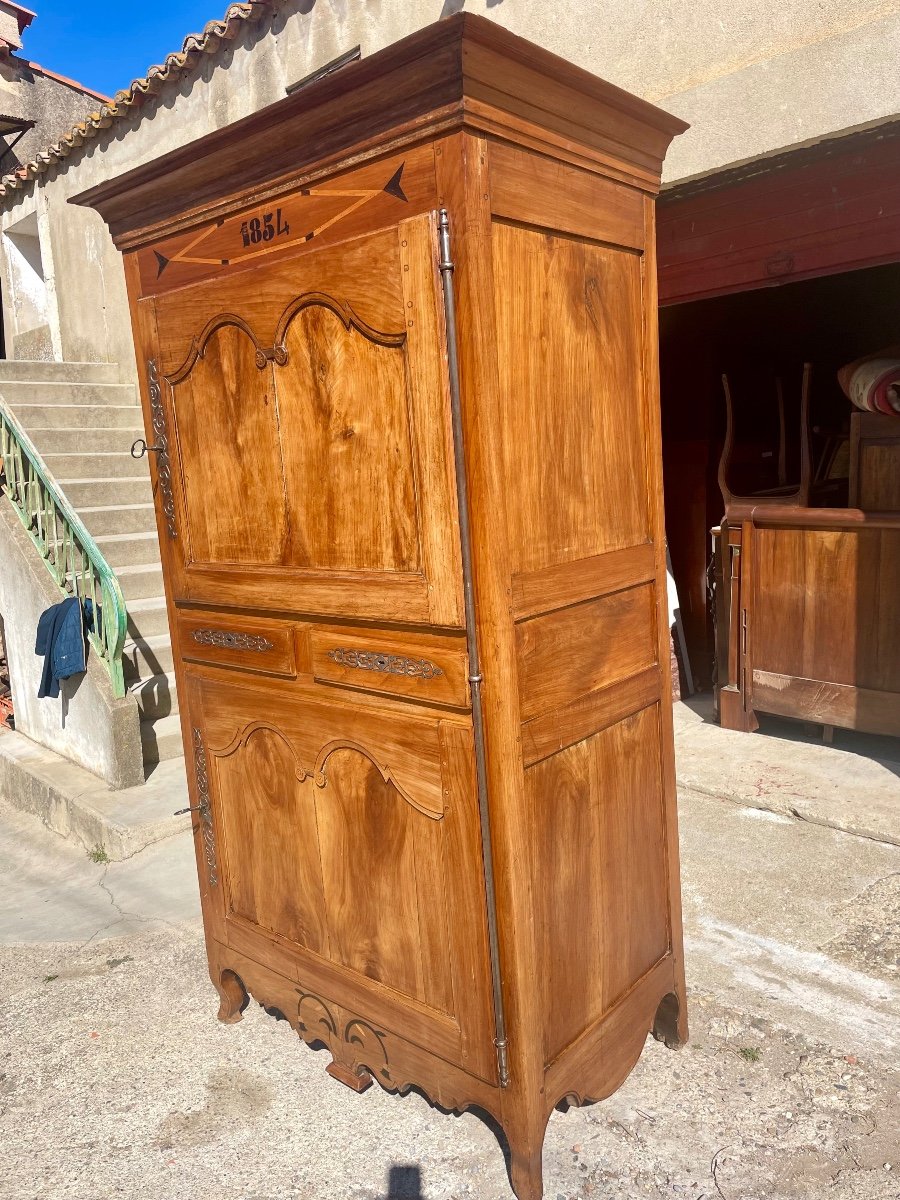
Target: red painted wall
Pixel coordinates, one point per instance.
(816, 211)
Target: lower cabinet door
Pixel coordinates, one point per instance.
(340, 846)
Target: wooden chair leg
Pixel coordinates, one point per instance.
(732, 714)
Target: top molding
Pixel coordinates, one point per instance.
(461, 72)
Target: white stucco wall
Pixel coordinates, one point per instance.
(752, 78)
(84, 723)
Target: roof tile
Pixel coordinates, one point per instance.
(130, 99)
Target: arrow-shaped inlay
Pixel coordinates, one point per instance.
(270, 232)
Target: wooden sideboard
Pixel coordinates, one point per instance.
(398, 342)
(806, 598)
(806, 617)
(875, 462)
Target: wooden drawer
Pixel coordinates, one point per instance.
(248, 643)
(431, 670)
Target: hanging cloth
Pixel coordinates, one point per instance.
(61, 638)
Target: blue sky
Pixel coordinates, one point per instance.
(116, 42)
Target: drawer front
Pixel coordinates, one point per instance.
(247, 643)
(429, 670)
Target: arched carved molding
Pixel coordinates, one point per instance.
(278, 352)
(315, 1018)
(342, 310)
(318, 773)
(200, 341)
(385, 771)
(360, 1049)
(243, 736)
(371, 1044)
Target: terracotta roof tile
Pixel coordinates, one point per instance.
(127, 102)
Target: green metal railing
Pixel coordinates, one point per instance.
(68, 550)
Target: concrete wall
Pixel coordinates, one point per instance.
(85, 723)
(30, 311)
(53, 104)
(751, 78)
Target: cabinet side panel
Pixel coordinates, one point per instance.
(569, 351)
(599, 851)
(576, 337)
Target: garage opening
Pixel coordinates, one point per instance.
(758, 338)
(775, 276)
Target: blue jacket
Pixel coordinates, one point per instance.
(62, 641)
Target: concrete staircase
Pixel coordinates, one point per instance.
(82, 422)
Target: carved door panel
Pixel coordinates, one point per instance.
(346, 853)
(304, 406)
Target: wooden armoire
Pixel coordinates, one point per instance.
(397, 337)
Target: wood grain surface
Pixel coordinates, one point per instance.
(285, 283)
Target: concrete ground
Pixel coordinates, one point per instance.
(116, 1081)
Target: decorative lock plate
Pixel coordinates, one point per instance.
(388, 664)
(161, 447)
(207, 832)
(227, 639)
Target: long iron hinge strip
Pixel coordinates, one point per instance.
(475, 676)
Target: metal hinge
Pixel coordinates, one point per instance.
(502, 1060)
(446, 268)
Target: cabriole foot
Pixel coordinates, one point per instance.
(234, 997)
(670, 1022)
(526, 1175)
(526, 1151)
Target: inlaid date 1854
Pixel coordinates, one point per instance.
(307, 214)
(264, 229)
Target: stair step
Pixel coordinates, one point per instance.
(140, 582)
(156, 696)
(148, 617)
(147, 656)
(86, 416)
(62, 392)
(118, 518)
(161, 739)
(108, 464)
(75, 372)
(129, 549)
(97, 492)
(62, 440)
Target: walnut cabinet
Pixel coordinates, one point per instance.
(397, 341)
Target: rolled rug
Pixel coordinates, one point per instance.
(872, 383)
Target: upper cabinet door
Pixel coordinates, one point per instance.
(305, 411)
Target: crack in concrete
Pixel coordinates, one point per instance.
(787, 810)
(124, 914)
(864, 890)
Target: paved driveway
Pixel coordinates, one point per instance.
(116, 1081)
